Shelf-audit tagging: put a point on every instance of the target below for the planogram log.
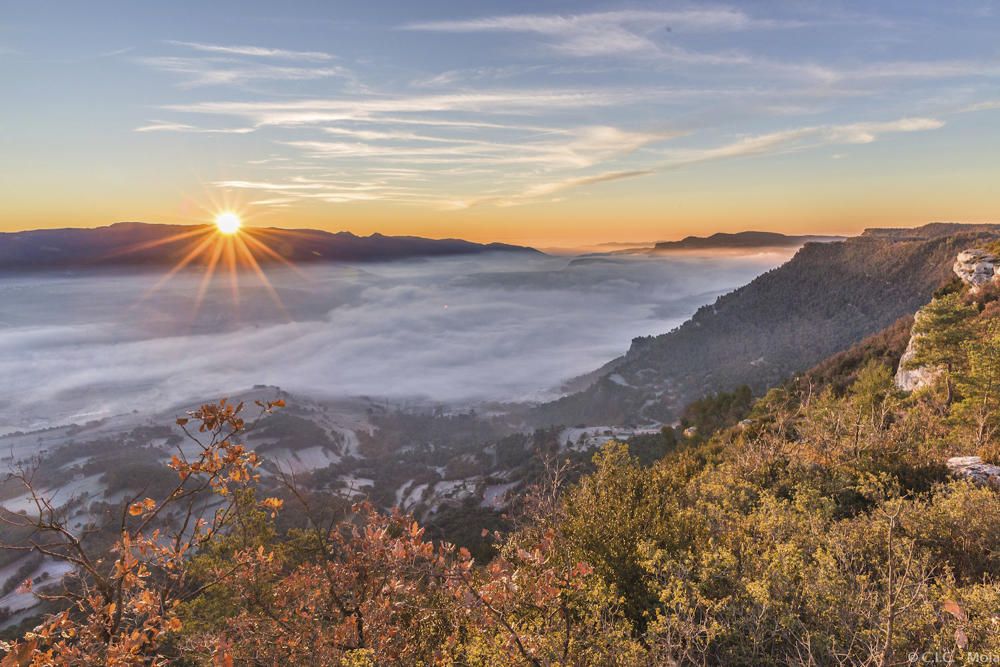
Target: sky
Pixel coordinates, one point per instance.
(544, 122)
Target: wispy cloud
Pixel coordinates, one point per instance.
(603, 33)
(650, 34)
(116, 52)
(880, 72)
(329, 190)
(538, 190)
(523, 101)
(608, 33)
(802, 138)
(475, 74)
(166, 126)
(774, 142)
(280, 202)
(223, 71)
(271, 187)
(543, 189)
(578, 149)
(988, 105)
(254, 51)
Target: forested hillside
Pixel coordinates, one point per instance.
(826, 298)
(825, 524)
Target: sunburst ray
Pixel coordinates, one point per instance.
(187, 259)
(147, 245)
(254, 265)
(207, 277)
(263, 247)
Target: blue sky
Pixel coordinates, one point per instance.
(547, 121)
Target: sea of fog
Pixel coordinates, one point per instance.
(80, 346)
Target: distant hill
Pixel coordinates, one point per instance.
(828, 297)
(739, 240)
(136, 244)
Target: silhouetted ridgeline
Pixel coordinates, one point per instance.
(826, 298)
(740, 240)
(141, 244)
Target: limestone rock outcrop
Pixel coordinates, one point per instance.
(973, 468)
(911, 379)
(976, 267)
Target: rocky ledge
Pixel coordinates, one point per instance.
(976, 267)
(973, 468)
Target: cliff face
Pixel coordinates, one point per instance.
(825, 299)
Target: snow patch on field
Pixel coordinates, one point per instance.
(302, 460)
(20, 599)
(355, 483)
(495, 494)
(584, 438)
(413, 496)
(58, 496)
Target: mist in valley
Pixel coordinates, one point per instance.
(82, 346)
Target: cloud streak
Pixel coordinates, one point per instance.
(493, 102)
(197, 72)
(167, 126)
(801, 139)
(255, 51)
(546, 189)
(626, 32)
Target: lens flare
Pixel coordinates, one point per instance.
(228, 222)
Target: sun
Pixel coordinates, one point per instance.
(228, 222)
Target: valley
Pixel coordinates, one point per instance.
(461, 466)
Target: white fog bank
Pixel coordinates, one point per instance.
(83, 346)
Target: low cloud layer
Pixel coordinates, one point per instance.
(456, 330)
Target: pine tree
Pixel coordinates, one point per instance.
(941, 329)
(978, 385)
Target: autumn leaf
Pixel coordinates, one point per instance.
(272, 504)
(954, 609)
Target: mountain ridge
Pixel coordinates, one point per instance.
(137, 244)
(719, 242)
(742, 240)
